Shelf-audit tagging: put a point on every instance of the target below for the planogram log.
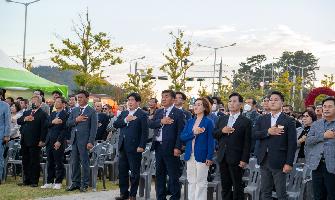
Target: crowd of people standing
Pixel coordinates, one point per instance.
(206, 134)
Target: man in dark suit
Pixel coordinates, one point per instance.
(83, 121)
(103, 121)
(278, 142)
(33, 132)
(55, 145)
(168, 123)
(133, 125)
(233, 133)
(179, 103)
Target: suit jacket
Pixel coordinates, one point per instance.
(133, 134)
(35, 131)
(281, 149)
(103, 121)
(204, 142)
(85, 131)
(5, 119)
(316, 144)
(57, 132)
(171, 132)
(188, 114)
(234, 147)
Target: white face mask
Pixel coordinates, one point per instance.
(246, 108)
(214, 106)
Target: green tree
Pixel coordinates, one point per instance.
(177, 63)
(203, 91)
(290, 89)
(328, 81)
(304, 65)
(88, 55)
(141, 82)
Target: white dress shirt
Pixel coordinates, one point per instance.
(160, 137)
(274, 118)
(232, 119)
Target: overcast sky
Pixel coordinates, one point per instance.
(258, 27)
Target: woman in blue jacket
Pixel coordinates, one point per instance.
(198, 136)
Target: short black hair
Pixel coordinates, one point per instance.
(84, 92)
(26, 101)
(2, 94)
(136, 96)
(19, 98)
(218, 100)
(17, 106)
(328, 99)
(235, 94)
(156, 101)
(183, 96)
(62, 99)
(75, 97)
(210, 99)
(11, 99)
(57, 92)
(279, 94)
(254, 102)
(171, 92)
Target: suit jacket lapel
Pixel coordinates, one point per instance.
(237, 121)
(268, 121)
(280, 119)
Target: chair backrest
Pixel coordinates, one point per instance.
(146, 161)
(13, 150)
(296, 181)
(254, 176)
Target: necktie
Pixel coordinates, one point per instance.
(161, 129)
(32, 112)
(81, 111)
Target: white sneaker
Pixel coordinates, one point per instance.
(47, 186)
(57, 186)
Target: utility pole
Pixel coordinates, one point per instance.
(220, 73)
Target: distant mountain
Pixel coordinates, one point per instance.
(54, 74)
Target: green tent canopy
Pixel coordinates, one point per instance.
(21, 79)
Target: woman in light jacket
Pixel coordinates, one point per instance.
(198, 136)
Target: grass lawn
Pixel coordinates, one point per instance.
(11, 191)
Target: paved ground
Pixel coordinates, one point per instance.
(111, 194)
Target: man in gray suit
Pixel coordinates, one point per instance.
(83, 121)
(4, 130)
(320, 152)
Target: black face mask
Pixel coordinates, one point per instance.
(33, 106)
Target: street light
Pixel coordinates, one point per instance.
(139, 58)
(215, 49)
(294, 81)
(25, 27)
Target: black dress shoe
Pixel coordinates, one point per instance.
(72, 188)
(83, 189)
(33, 185)
(23, 184)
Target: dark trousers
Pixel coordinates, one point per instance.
(231, 176)
(270, 177)
(56, 169)
(323, 183)
(167, 165)
(31, 163)
(129, 162)
(80, 162)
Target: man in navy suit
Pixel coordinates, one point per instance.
(133, 125)
(278, 142)
(179, 102)
(168, 123)
(55, 145)
(83, 123)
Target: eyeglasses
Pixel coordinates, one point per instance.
(305, 115)
(105, 108)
